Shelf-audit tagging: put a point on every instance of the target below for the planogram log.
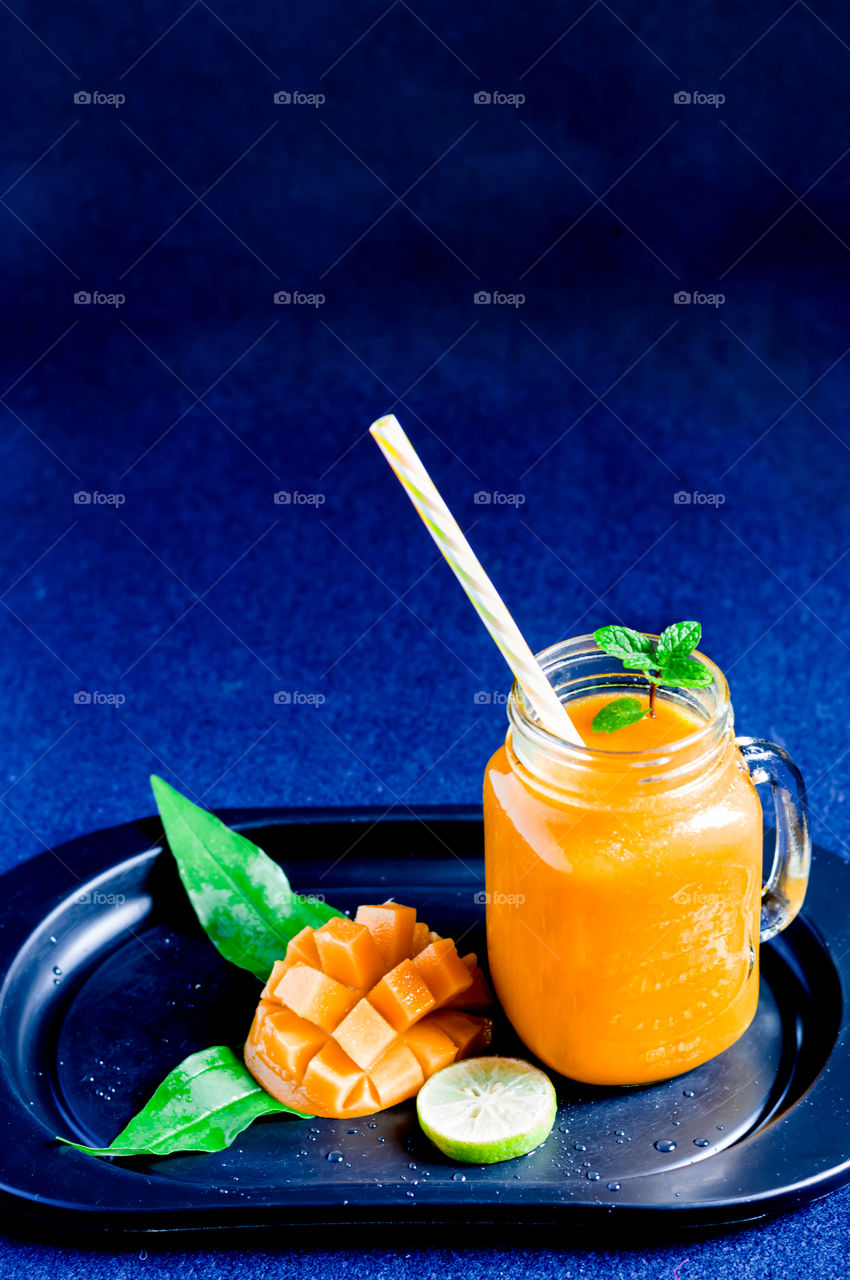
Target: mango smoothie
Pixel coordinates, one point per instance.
(624, 888)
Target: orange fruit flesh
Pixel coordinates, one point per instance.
(361, 1012)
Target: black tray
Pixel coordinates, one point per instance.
(110, 983)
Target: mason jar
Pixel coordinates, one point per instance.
(625, 904)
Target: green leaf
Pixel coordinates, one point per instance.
(678, 641)
(686, 672)
(626, 644)
(617, 714)
(241, 897)
(200, 1106)
(640, 662)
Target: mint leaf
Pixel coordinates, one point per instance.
(631, 647)
(202, 1105)
(241, 897)
(686, 672)
(617, 714)
(678, 641)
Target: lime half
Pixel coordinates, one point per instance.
(487, 1109)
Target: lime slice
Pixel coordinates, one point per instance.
(487, 1109)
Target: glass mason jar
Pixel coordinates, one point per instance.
(625, 903)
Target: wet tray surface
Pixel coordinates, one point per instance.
(110, 982)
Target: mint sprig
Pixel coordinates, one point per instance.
(663, 661)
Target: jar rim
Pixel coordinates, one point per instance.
(522, 716)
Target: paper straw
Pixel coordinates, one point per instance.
(447, 534)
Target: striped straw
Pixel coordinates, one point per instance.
(447, 534)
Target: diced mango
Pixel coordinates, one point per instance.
(360, 1012)
(431, 1047)
(397, 1076)
(289, 1042)
(256, 1032)
(421, 938)
(476, 996)
(348, 953)
(364, 1034)
(401, 996)
(441, 968)
(302, 949)
(332, 1077)
(315, 996)
(468, 1032)
(470, 960)
(391, 925)
(278, 970)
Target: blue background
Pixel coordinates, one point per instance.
(581, 413)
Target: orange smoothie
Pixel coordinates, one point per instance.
(624, 898)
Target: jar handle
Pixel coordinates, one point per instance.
(783, 893)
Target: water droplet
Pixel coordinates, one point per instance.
(335, 1157)
(677, 1122)
(351, 1131)
(620, 1141)
(57, 971)
(619, 1133)
(701, 1142)
(410, 1193)
(458, 1177)
(382, 1139)
(372, 1124)
(562, 1128)
(314, 1130)
(613, 1186)
(585, 1164)
(688, 1093)
(593, 1177)
(143, 1255)
(665, 1144)
(57, 982)
(579, 1146)
(52, 939)
(411, 1166)
(720, 1126)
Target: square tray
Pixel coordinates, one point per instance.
(110, 982)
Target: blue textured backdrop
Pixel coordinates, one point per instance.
(589, 405)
